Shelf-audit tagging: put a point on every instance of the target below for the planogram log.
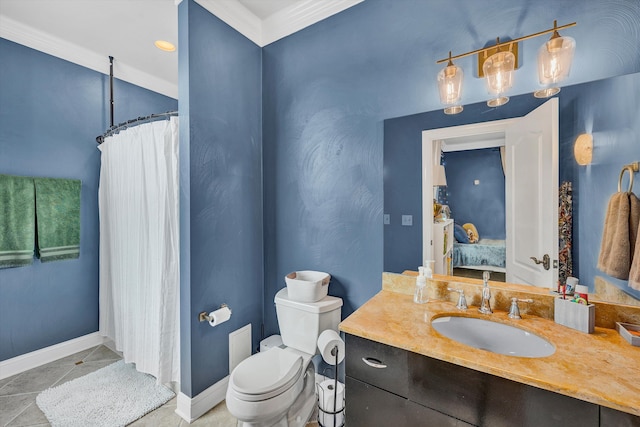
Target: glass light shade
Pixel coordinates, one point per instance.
(498, 72)
(450, 88)
(554, 60)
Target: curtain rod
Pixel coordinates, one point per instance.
(121, 126)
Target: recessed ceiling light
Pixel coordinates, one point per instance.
(165, 45)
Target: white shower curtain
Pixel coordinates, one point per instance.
(139, 246)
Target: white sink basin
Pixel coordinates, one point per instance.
(493, 336)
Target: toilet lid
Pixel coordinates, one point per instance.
(265, 374)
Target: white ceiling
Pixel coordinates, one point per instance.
(87, 32)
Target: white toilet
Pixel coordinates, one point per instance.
(277, 387)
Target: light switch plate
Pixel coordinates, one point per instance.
(386, 219)
(407, 219)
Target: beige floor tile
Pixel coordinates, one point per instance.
(36, 380)
(12, 406)
(31, 416)
(102, 353)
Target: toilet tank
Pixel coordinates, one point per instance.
(301, 323)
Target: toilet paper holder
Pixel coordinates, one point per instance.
(204, 316)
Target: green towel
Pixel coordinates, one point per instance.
(58, 218)
(17, 221)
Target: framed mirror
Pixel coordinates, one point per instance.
(602, 108)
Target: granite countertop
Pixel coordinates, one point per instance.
(600, 368)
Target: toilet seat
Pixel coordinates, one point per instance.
(266, 374)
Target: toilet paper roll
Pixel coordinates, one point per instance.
(327, 391)
(327, 341)
(221, 315)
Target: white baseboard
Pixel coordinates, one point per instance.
(192, 408)
(45, 355)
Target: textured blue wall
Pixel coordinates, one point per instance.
(328, 88)
(483, 204)
(50, 114)
(609, 110)
(222, 196)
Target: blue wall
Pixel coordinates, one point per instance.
(222, 253)
(50, 114)
(327, 90)
(609, 110)
(483, 204)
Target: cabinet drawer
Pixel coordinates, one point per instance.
(377, 364)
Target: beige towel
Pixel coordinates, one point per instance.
(618, 245)
(634, 225)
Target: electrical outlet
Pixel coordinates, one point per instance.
(407, 220)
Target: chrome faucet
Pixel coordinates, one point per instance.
(485, 305)
(514, 311)
(462, 301)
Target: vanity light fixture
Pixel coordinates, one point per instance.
(583, 149)
(497, 64)
(165, 45)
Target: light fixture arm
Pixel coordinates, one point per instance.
(498, 45)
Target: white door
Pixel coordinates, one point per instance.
(531, 182)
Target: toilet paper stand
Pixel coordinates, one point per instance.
(334, 352)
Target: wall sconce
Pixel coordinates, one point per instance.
(583, 149)
(497, 63)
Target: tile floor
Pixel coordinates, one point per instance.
(18, 394)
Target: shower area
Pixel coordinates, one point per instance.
(138, 203)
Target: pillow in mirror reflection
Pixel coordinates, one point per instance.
(472, 232)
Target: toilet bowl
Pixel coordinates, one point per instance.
(277, 387)
(264, 387)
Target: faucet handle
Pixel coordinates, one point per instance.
(486, 275)
(514, 311)
(462, 301)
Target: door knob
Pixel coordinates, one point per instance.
(546, 261)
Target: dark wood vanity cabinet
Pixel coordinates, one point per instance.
(401, 388)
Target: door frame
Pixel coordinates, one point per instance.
(492, 134)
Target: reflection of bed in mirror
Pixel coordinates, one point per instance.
(486, 254)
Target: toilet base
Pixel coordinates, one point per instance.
(301, 410)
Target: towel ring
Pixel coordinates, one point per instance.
(632, 167)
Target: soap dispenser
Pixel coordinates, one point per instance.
(425, 276)
(420, 295)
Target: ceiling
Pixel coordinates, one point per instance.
(87, 32)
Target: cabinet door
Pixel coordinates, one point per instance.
(486, 400)
(369, 406)
(378, 364)
(612, 418)
(418, 415)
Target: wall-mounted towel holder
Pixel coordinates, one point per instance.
(632, 168)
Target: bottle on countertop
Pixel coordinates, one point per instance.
(420, 294)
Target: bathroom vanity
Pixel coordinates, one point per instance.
(400, 371)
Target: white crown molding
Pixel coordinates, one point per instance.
(301, 15)
(279, 25)
(43, 42)
(237, 16)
